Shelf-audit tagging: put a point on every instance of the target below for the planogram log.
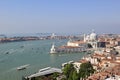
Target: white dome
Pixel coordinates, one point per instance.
(93, 36)
(87, 37)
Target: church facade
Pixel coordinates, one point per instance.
(92, 39)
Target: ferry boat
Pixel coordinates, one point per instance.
(22, 67)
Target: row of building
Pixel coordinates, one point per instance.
(89, 41)
(105, 59)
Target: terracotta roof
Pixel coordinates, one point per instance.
(69, 47)
(79, 42)
(107, 60)
(82, 61)
(98, 55)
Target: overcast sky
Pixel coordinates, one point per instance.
(59, 16)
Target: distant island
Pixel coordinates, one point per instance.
(5, 39)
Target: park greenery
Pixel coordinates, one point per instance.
(86, 69)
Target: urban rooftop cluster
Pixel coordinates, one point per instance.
(103, 63)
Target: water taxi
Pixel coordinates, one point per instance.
(22, 67)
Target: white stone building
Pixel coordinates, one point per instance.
(91, 39)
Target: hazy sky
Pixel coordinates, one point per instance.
(59, 16)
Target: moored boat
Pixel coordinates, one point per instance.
(44, 69)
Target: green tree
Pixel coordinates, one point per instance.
(85, 70)
(55, 75)
(68, 70)
(70, 75)
(75, 75)
(63, 79)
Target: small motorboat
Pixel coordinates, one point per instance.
(22, 67)
(7, 52)
(21, 46)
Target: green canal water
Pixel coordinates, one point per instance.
(35, 53)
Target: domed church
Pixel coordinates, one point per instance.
(91, 39)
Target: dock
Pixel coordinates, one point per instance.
(44, 71)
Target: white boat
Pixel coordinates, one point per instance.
(22, 67)
(44, 69)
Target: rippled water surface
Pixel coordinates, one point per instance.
(35, 53)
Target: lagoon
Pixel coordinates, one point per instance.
(35, 53)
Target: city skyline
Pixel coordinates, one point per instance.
(63, 16)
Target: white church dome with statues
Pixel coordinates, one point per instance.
(87, 38)
(91, 39)
(93, 36)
